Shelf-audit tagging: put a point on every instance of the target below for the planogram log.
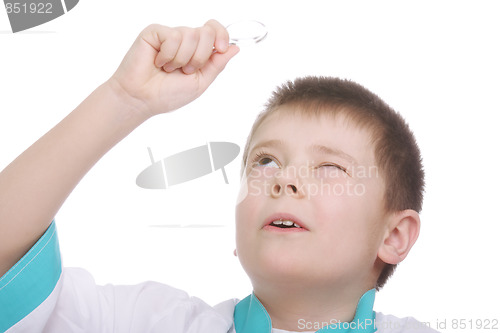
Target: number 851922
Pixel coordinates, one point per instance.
(25, 8)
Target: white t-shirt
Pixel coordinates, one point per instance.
(38, 295)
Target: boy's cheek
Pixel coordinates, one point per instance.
(243, 192)
(252, 188)
(247, 207)
(255, 182)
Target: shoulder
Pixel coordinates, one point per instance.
(149, 306)
(37, 292)
(391, 324)
(154, 305)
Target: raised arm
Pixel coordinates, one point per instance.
(165, 69)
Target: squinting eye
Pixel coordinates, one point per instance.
(336, 166)
(333, 165)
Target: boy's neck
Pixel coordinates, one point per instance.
(289, 307)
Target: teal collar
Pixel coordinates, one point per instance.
(250, 316)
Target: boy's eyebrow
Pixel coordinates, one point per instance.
(322, 149)
(267, 143)
(332, 151)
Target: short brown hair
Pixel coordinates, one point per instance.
(396, 150)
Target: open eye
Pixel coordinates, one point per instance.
(265, 161)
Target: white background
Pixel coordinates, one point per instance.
(436, 62)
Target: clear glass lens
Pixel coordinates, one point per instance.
(246, 32)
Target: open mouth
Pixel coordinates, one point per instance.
(285, 224)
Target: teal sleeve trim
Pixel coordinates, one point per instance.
(29, 282)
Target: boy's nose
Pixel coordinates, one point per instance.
(288, 187)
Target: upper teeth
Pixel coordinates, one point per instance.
(288, 223)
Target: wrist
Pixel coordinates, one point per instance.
(131, 107)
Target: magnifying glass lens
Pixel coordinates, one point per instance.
(246, 32)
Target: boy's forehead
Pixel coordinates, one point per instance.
(287, 116)
(335, 131)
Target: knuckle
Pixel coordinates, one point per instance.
(191, 35)
(207, 32)
(213, 23)
(151, 28)
(175, 36)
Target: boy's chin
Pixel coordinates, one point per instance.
(292, 274)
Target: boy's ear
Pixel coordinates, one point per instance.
(402, 232)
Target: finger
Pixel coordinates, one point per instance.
(171, 42)
(153, 34)
(216, 64)
(221, 36)
(189, 43)
(203, 51)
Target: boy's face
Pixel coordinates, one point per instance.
(320, 173)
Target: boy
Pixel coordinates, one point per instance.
(326, 212)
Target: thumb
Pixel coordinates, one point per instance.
(217, 63)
